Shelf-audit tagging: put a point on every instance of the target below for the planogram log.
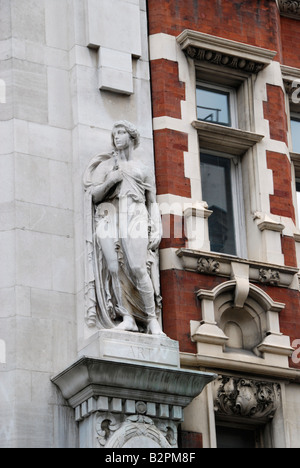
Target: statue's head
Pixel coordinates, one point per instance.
(130, 129)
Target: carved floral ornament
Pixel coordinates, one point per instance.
(246, 398)
(218, 58)
(290, 8)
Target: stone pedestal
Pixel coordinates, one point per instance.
(121, 346)
(130, 393)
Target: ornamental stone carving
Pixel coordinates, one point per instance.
(290, 8)
(219, 58)
(123, 233)
(208, 265)
(268, 276)
(246, 398)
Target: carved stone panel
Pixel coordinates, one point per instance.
(246, 398)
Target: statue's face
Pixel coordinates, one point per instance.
(121, 138)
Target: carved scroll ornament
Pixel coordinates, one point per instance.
(246, 398)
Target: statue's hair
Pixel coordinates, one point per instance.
(130, 128)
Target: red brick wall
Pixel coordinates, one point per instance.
(274, 111)
(289, 316)
(190, 440)
(282, 199)
(254, 22)
(181, 305)
(290, 35)
(169, 146)
(168, 91)
(173, 232)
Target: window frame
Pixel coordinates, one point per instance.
(237, 200)
(294, 116)
(232, 107)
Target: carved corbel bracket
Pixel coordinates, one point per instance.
(240, 273)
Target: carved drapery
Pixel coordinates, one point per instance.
(246, 398)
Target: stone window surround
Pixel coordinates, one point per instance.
(241, 274)
(291, 76)
(239, 142)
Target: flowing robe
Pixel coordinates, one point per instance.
(123, 214)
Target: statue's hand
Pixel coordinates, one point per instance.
(114, 177)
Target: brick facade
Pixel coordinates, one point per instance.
(257, 23)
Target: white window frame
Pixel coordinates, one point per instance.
(232, 100)
(237, 201)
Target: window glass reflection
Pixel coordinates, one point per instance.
(213, 106)
(295, 127)
(217, 192)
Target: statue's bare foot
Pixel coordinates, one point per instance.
(154, 328)
(128, 324)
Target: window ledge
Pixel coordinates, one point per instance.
(225, 139)
(238, 363)
(217, 264)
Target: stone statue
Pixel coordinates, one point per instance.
(123, 235)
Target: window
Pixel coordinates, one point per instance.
(221, 189)
(298, 198)
(230, 437)
(295, 141)
(295, 130)
(216, 104)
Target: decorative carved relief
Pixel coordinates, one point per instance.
(219, 58)
(271, 277)
(246, 398)
(106, 426)
(113, 434)
(290, 7)
(208, 265)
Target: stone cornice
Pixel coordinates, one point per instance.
(90, 378)
(289, 8)
(224, 52)
(212, 263)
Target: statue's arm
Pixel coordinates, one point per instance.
(100, 191)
